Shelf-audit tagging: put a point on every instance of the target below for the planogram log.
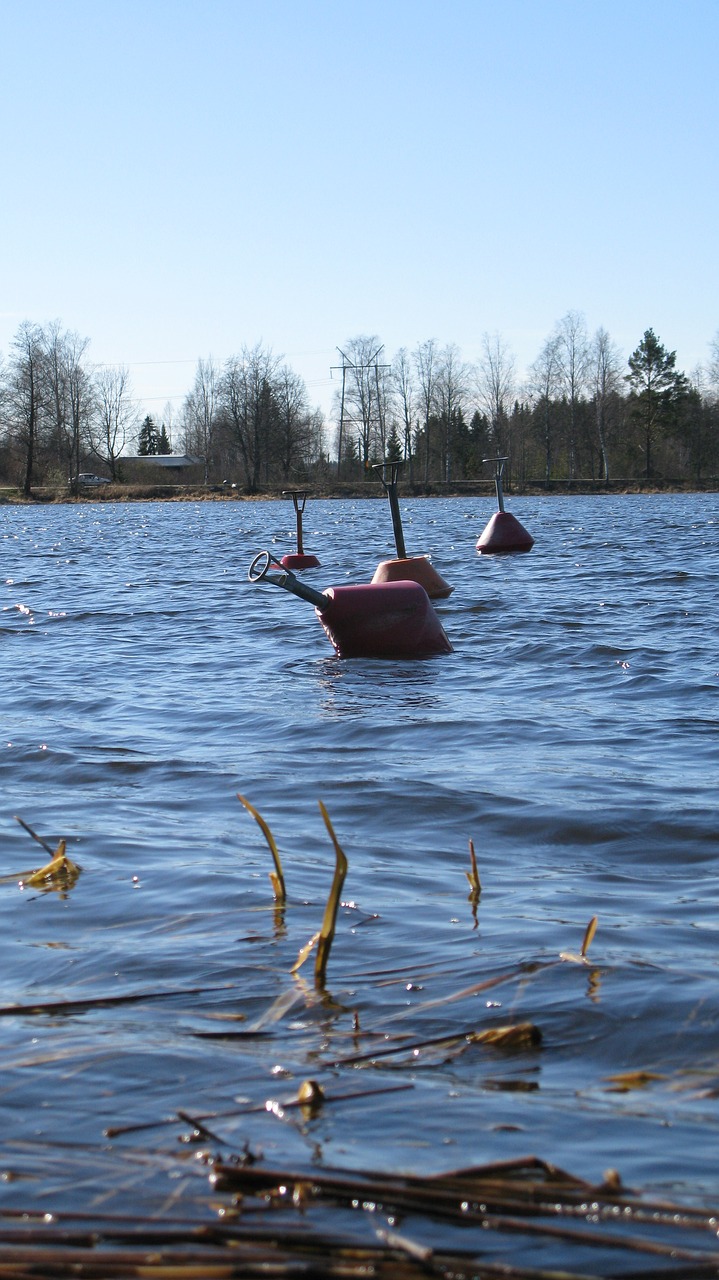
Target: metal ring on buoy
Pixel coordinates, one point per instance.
(252, 571)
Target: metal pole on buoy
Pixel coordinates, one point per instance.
(503, 532)
(375, 620)
(298, 559)
(405, 568)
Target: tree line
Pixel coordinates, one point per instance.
(580, 412)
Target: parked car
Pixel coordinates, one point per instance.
(85, 477)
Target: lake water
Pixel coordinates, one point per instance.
(571, 735)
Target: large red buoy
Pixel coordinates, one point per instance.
(372, 620)
(299, 559)
(382, 620)
(406, 568)
(503, 532)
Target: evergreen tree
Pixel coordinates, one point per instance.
(393, 448)
(163, 441)
(656, 388)
(149, 439)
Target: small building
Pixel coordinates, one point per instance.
(163, 468)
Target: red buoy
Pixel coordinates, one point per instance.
(382, 620)
(406, 568)
(299, 559)
(414, 569)
(504, 532)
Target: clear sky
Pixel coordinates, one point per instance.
(182, 177)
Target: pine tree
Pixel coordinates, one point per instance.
(656, 387)
(163, 441)
(149, 439)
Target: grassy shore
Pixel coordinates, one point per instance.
(370, 489)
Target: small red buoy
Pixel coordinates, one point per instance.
(298, 559)
(372, 620)
(504, 532)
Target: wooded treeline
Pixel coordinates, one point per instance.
(580, 412)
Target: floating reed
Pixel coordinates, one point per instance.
(59, 873)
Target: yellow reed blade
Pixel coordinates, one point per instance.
(277, 879)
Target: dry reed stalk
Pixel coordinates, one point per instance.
(324, 937)
(277, 878)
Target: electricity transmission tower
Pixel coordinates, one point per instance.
(358, 370)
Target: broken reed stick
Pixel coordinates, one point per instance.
(589, 933)
(277, 878)
(472, 875)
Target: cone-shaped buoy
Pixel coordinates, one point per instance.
(503, 532)
(406, 568)
(298, 559)
(380, 620)
(414, 569)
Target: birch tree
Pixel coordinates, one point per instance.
(495, 384)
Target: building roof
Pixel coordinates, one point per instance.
(165, 459)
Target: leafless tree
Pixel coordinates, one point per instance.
(712, 371)
(366, 390)
(495, 384)
(24, 395)
(544, 382)
(199, 412)
(247, 407)
(574, 362)
(405, 398)
(426, 362)
(115, 419)
(606, 362)
(451, 388)
(67, 395)
(295, 435)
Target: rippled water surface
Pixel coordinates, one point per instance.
(572, 735)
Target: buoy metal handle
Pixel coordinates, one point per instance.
(391, 487)
(299, 499)
(259, 572)
(499, 468)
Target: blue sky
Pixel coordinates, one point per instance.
(182, 178)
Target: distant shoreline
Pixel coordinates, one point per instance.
(49, 495)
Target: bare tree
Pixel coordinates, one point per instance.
(713, 367)
(405, 396)
(365, 390)
(451, 388)
(606, 374)
(295, 428)
(67, 395)
(115, 419)
(426, 361)
(24, 395)
(544, 382)
(495, 384)
(247, 407)
(574, 363)
(80, 393)
(200, 412)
